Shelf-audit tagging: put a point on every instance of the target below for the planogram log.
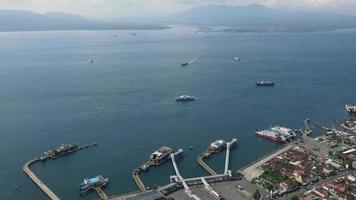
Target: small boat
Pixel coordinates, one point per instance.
(264, 83)
(90, 60)
(185, 98)
(350, 108)
(236, 59)
(91, 183)
(114, 35)
(184, 64)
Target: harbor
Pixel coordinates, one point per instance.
(225, 185)
(61, 151)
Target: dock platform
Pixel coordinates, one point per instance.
(37, 181)
(101, 193)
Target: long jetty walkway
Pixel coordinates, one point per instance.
(101, 193)
(37, 181)
(137, 179)
(210, 171)
(205, 166)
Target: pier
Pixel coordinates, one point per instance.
(227, 158)
(37, 181)
(137, 179)
(306, 129)
(204, 165)
(181, 179)
(138, 170)
(26, 168)
(210, 171)
(101, 193)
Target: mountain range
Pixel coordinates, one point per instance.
(249, 17)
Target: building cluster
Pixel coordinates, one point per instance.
(342, 188)
(342, 147)
(294, 168)
(349, 125)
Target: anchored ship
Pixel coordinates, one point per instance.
(63, 149)
(184, 64)
(264, 83)
(271, 135)
(91, 183)
(160, 155)
(287, 132)
(236, 59)
(350, 108)
(185, 98)
(217, 145)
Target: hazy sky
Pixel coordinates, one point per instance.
(128, 8)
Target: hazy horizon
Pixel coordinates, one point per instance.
(118, 10)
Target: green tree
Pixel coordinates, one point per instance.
(257, 195)
(294, 198)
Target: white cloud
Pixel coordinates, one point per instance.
(128, 8)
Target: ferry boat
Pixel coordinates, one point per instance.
(160, 155)
(91, 183)
(264, 83)
(217, 145)
(185, 98)
(63, 149)
(287, 132)
(272, 135)
(236, 59)
(350, 108)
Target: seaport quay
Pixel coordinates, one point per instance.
(301, 164)
(62, 150)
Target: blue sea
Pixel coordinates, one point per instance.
(125, 100)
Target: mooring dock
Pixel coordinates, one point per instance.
(137, 179)
(101, 193)
(37, 181)
(136, 172)
(205, 166)
(210, 171)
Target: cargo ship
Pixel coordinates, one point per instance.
(264, 83)
(272, 135)
(91, 183)
(350, 108)
(185, 98)
(160, 155)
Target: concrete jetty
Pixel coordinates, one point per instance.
(37, 181)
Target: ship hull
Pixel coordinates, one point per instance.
(271, 138)
(264, 84)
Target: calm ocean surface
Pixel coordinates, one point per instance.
(124, 101)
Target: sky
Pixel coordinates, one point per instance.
(116, 9)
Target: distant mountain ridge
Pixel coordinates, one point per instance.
(256, 15)
(22, 20)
